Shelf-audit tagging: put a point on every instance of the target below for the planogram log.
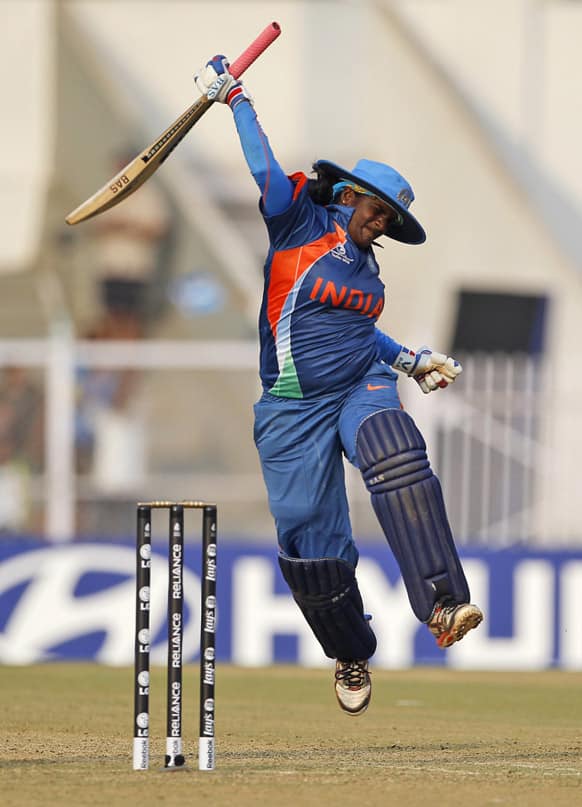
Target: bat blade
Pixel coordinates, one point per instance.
(141, 167)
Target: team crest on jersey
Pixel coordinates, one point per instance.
(341, 254)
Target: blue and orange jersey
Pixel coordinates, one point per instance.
(322, 294)
(321, 299)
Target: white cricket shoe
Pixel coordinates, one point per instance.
(449, 622)
(353, 686)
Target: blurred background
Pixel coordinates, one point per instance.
(128, 347)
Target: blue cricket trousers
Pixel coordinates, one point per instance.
(301, 443)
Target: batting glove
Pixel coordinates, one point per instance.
(430, 370)
(217, 84)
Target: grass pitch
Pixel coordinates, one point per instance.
(430, 737)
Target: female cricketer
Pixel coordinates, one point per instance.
(330, 389)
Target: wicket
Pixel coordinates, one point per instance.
(141, 742)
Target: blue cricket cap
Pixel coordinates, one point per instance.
(383, 181)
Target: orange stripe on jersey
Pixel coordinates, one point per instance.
(299, 179)
(289, 265)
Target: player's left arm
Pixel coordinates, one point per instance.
(431, 370)
(388, 348)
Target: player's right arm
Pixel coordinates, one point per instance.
(276, 188)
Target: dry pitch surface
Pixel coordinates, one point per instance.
(431, 737)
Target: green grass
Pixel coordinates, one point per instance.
(430, 737)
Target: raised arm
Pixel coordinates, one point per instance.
(217, 83)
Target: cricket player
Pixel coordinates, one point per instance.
(330, 389)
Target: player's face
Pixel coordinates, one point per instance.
(370, 219)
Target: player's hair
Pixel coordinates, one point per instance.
(320, 189)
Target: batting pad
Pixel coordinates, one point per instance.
(408, 501)
(326, 591)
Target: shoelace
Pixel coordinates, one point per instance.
(442, 612)
(354, 674)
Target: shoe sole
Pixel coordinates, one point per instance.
(463, 624)
(351, 713)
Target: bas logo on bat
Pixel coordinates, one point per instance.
(119, 183)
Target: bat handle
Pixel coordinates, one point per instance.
(254, 50)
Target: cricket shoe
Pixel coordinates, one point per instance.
(449, 622)
(353, 686)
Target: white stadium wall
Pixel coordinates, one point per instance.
(27, 88)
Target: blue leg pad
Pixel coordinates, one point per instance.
(326, 591)
(408, 502)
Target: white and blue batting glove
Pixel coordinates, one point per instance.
(217, 84)
(430, 370)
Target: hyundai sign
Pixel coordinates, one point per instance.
(76, 601)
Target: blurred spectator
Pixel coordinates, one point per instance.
(108, 430)
(128, 241)
(21, 445)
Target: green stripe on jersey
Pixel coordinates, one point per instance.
(287, 384)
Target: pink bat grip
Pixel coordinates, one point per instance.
(254, 50)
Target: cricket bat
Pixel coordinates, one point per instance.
(143, 166)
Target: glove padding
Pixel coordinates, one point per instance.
(430, 370)
(217, 84)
